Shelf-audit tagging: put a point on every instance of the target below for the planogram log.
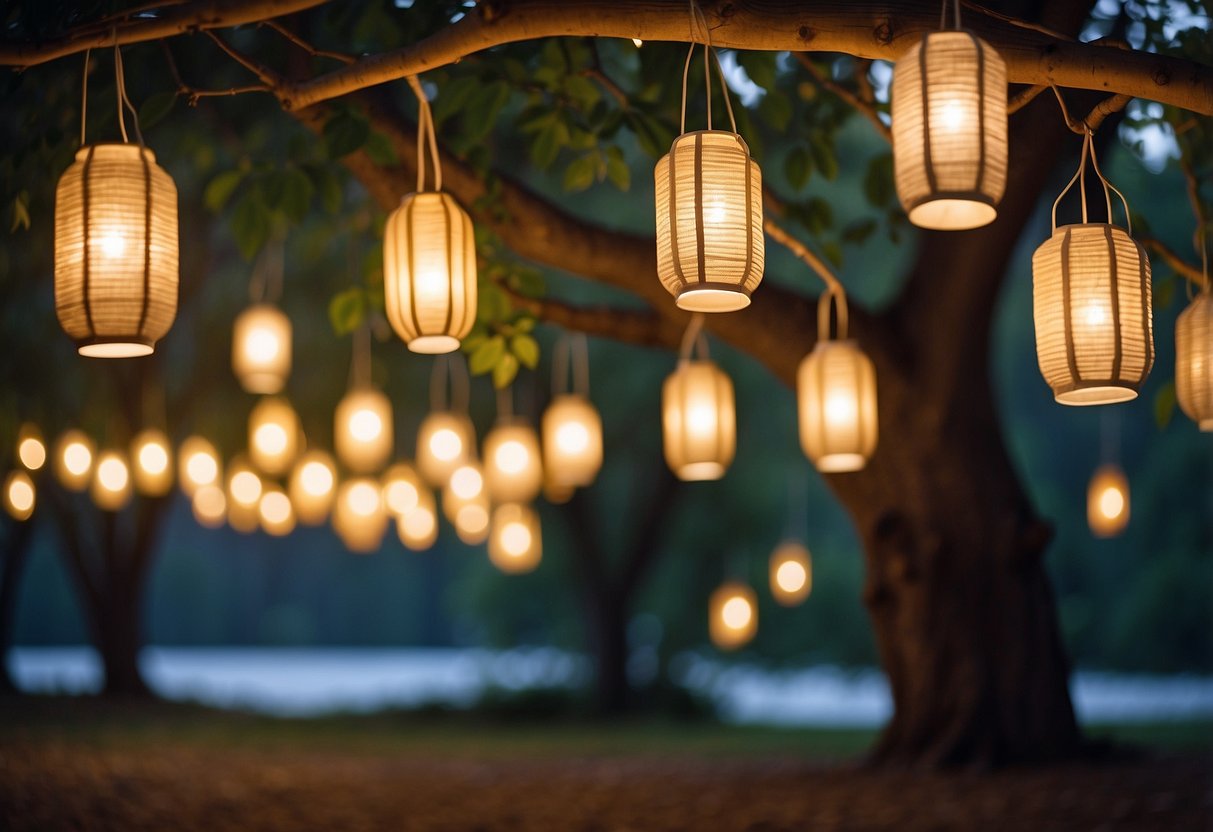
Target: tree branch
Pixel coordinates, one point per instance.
(307, 47)
(863, 107)
(645, 329)
(1181, 267)
(193, 94)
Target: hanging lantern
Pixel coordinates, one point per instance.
(1194, 360)
(710, 246)
(31, 450)
(275, 511)
(401, 489)
(74, 460)
(358, 516)
(198, 465)
(949, 109)
(312, 485)
(515, 539)
(111, 489)
(1091, 304)
(1108, 501)
(465, 502)
(273, 435)
(512, 467)
(363, 430)
(733, 615)
(444, 441)
(791, 573)
(261, 349)
(418, 528)
(699, 423)
(429, 258)
(244, 489)
(836, 396)
(209, 505)
(572, 441)
(19, 495)
(152, 463)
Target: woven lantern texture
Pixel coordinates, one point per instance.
(261, 349)
(732, 615)
(949, 124)
(1194, 360)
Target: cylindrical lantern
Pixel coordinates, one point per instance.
(1092, 306)
(74, 460)
(791, 573)
(115, 251)
(198, 465)
(732, 615)
(312, 486)
(949, 108)
(1108, 501)
(19, 495)
(261, 349)
(275, 511)
(513, 470)
(698, 420)
(444, 441)
(273, 435)
(152, 459)
(418, 528)
(209, 505)
(363, 430)
(469, 515)
(572, 441)
(836, 397)
(515, 539)
(402, 489)
(1194, 360)
(111, 489)
(244, 489)
(358, 516)
(31, 450)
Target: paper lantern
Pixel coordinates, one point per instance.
(469, 515)
(949, 109)
(1194, 360)
(515, 539)
(791, 573)
(115, 251)
(572, 441)
(275, 512)
(418, 528)
(732, 615)
(513, 470)
(19, 495)
(363, 430)
(358, 516)
(261, 349)
(74, 460)
(1108, 501)
(209, 505)
(699, 429)
(402, 488)
(198, 465)
(31, 450)
(244, 490)
(111, 488)
(153, 463)
(273, 435)
(312, 486)
(444, 441)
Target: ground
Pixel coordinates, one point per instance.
(82, 764)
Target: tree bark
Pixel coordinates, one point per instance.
(609, 623)
(16, 554)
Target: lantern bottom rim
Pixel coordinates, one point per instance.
(115, 347)
(700, 471)
(1086, 394)
(712, 297)
(433, 344)
(841, 463)
(953, 211)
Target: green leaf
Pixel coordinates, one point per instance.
(220, 189)
(798, 166)
(328, 185)
(581, 172)
(347, 310)
(823, 155)
(452, 97)
(486, 356)
(380, 149)
(878, 180)
(290, 191)
(776, 110)
(857, 232)
(617, 169)
(760, 66)
(505, 371)
(582, 90)
(344, 133)
(250, 223)
(493, 304)
(483, 108)
(155, 108)
(1164, 405)
(547, 144)
(526, 349)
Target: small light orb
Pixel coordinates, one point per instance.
(153, 458)
(198, 465)
(515, 542)
(202, 468)
(270, 439)
(790, 573)
(1108, 502)
(511, 457)
(418, 529)
(277, 515)
(111, 481)
(30, 448)
(209, 505)
(112, 474)
(446, 445)
(363, 499)
(19, 495)
(513, 473)
(732, 616)
(467, 482)
(316, 478)
(365, 425)
(246, 487)
(736, 613)
(311, 486)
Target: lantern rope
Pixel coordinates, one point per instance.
(575, 351)
(266, 283)
(425, 131)
(84, 96)
(694, 340)
(444, 369)
(1088, 149)
(709, 56)
(360, 358)
(943, 14)
(123, 99)
(505, 403)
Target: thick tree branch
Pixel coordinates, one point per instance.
(644, 329)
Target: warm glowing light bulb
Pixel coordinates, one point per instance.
(791, 576)
(1095, 315)
(363, 499)
(701, 418)
(952, 116)
(202, 468)
(715, 209)
(19, 495)
(417, 528)
(572, 438)
(153, 457)
(446, 445)
(467, 482)
(112, 244)
(1111, 502)
(365, 425)
(77, 458)
(316, 478)
(209, 505)
(840, 409)
(270, 439)
(511, 457)
(515, 539)
(275, 508)
(246, 487)
(32, 453)
(262, 345)
(736, 613)
(473, 520)
(112, 473)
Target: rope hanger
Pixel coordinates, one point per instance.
(120, 92)
(709, 57)
(425, 132)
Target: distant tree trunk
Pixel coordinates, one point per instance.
(16, 553)
(609, 632)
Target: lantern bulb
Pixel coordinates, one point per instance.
(202, 468)
(32, 453)
(246, 487)
(19, 495)
(365, 425)
(262, 346)
(209, 505)
(572, 438)
(270, 439)
(1111, 502)
(112, 473)
(316, 478)
(736, 613)
(153, 458)
(363, 499)
(77, 458)
(446, 445)
(511, 457)
(791, 576)
(467, 482)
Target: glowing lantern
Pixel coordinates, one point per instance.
(465, 502)
(151, 455)
(733, 615)
(198, 465)
(699, 422)
(949, 108)
(791, 573)
(512, 467)
(209, 505)
(275, 511)
(418, 528)
(358, 516)
(19, 495)
(312, 486)
(363, 430)
(1108, 501)
(572, 441)
(30, 448)
(444, 441)
(261, 349)
(273, 435)
(111, 488)
(515, 539)
(1091, 304)
(1194, 360)
(74, 460)
(836, 397)
(244, 489)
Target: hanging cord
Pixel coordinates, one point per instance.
(709, 55)
(360, 358)
(444, 368)
(84, 96)
(1080, 176)
(1201, 240)
(425, 131)
(265, 285)
(572, 348)
(505, 403)
(943, 14)
(693, 340)
(839, 299)
(798, 498)
(120, 81)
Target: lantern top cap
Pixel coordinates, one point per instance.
(106, 147)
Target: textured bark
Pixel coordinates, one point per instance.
(17, 541)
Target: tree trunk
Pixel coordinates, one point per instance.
(16, 553)
(610, 639)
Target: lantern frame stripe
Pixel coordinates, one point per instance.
(981, 111)
(87, 201)
(1068, 306)
(749, 227)
(699, 245)
(408, 225)
(1146, 311)
(928, 163)
(673, 213)
(1114, 293)
(450, 258)
(147, 238)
